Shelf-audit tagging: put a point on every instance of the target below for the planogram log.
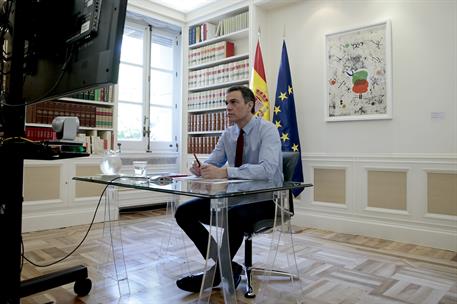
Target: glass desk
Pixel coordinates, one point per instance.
(223, 194)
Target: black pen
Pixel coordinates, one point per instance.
(198, 162)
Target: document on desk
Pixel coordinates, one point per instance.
(202, 180)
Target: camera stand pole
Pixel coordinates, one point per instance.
(12, 155)
(12, 165)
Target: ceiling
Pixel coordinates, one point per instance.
(183, 6)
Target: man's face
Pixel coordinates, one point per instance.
(238, 111)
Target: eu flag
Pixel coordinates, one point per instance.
(284, 116)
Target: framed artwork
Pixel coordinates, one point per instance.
(359, 73)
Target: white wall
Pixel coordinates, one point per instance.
(424, 38)
(424, 66)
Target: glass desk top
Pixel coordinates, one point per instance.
(197, 187)
(222, 193)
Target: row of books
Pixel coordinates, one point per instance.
(40, 133)
(232, 24)
(206, 99)
(238, 70)
(201, 144)
(89, 115)
(212, 121)
(204, 31)
(95, 144)
(104, 94)
(212, 52)
(201, 32)
(104, 117)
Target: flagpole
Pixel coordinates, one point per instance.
(285, 119)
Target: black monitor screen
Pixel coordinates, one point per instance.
(71, 46)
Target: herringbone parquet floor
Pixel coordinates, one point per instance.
(334, 267)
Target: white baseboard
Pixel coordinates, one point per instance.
(83, 214)
(413, 234)
(409, 223)
(135, 198)
(61, 218)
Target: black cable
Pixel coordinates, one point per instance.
(80, 243)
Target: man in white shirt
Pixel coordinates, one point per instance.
(249, 149)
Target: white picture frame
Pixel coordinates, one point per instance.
(359, 73)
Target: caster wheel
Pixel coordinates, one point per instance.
(82, 287)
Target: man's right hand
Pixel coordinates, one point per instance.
(195, 169)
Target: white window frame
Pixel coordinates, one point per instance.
(145, 145)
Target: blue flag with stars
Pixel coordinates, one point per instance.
(284, 116)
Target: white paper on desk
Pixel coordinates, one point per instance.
(189, 177)
(202, 180)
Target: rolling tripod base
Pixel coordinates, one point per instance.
(77, 274)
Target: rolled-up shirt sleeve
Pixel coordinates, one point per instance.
(218, 156)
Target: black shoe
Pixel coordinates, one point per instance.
(193, 282)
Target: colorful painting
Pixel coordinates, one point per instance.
(358, 78)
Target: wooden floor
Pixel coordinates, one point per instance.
(333, 267)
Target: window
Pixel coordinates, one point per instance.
(148, 89)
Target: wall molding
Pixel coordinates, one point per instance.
(70, 210)
(413, 225)
(404, 157)
(60, 218)
(407, 233)
(82, 211)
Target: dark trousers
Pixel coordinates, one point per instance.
(191, 216)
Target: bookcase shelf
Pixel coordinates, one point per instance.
(94, 102)
(217, 62)
(219, 85)
(95, 113)
(96, 129)
(214, 65)
(205, 132)
(39, 125)
(207, 110)
(241, 34)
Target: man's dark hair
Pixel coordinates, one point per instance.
(247, 94)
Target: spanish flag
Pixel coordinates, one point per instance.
(259, 86)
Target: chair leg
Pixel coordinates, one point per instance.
(249, 293)
(275, 272)
(248, 267)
